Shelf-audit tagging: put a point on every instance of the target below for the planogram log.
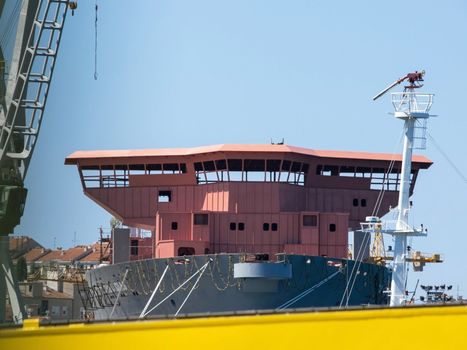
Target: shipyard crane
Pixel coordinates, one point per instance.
(38, 36)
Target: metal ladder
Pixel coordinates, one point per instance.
(420, 130)
(32, 84)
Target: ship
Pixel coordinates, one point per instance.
(239, 227)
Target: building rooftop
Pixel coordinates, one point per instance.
(235, 148)
(19, 245)
(68, 255)
(95, 255)
(35, 254)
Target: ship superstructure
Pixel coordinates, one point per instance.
(243, 198)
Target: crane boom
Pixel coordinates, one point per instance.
(387, 89)
(38, 37)
(413, 79)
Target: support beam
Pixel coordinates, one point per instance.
(399, 269)
(9, 285)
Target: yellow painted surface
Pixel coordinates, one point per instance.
(418, 328)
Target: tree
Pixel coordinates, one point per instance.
(21, 269)
(115, 223)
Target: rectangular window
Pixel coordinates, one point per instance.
(332, 227)
(209, 165)
(363, 202)
(236, 176)
(234, 164)
(265, 226)
(164, 196)
(286, 165)
(274, 226)
(198, 166)
(330, 170)
(44, 307)
(296, 166)
(171, 167)
(254, 165)
(212, 177)
(154, 168)
(241, 226)
(55, 310)
(134, 247)
(273, 165)
(200, 219)
(221, 164)
(233, 226)
(355, 202)
(137, 169)
(64, 310)
(310, 220)
(174, 225)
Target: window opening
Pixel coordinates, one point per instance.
(241, 226)
(198, 166)
(164, 196)
(154, 168)
(186, 251)
(137, 169)
(233, 226)
(234, 164)
(209, 166)
(254, 165)
(200, 219)
(310, 220)
(332, 227)
(170, 168)
(174, 226)
(221, 164)
(274, 226)
(265, 226)
(134, 247)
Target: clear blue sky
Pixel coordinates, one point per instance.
(190, 73)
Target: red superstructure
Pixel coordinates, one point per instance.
(242, 198)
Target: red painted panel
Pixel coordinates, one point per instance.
(183, 226)
(275, 236)
(153, 201)
(161, 180)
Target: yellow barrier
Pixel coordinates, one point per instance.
(417, 327)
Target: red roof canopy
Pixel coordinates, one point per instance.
(266, 148)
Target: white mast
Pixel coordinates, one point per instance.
(413, 108)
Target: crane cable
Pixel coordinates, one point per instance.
(95, 42)
(379, 199)
(356, 267)
(354, 272)
(451, 163)
(10, 24)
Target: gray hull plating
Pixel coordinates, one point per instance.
(219, 291)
